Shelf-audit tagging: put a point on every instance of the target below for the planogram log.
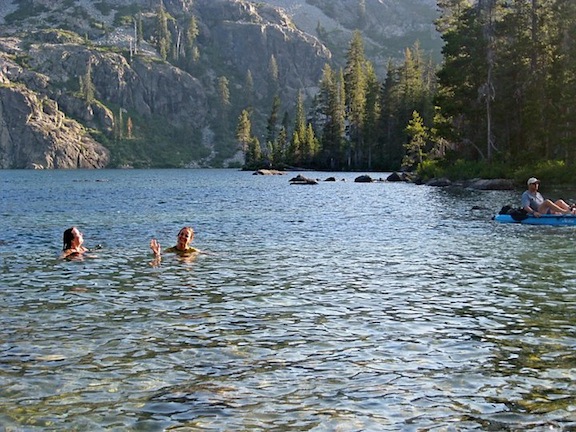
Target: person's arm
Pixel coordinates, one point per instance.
(526, 205)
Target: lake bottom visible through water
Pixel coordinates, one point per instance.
(335, 307)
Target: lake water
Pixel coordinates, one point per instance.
(336, 307)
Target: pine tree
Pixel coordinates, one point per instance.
(390, 150)
(87, 85)
(355, 86)
(244, 132)
(163, 37)
(223, 93)
(191, 49)
(300, 115)
(254, 154)
(418, 134)
(311, 147)
(294, 154)
(249, 88)
(273, 75)
(372, 115)
(461, 77)
(332, 99)
(280, 147)
(272, 125)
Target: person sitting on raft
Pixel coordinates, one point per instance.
(73, 243)
(534, 203)
(182, 247)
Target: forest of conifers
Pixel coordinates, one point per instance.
(505, 94)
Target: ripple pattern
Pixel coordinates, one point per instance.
(337, 307)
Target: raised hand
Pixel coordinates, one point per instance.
(155, 246)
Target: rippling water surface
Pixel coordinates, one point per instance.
(341, 306)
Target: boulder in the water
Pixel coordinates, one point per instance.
(363, 179)
(300, 179)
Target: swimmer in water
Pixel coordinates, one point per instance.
(73, 243)
(182, 247)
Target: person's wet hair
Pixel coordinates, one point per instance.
(67, 238)
(186, 229)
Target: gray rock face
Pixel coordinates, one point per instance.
(34, 133)
(249, 34)
(146, 86)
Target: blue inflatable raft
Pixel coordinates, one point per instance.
(555, 220)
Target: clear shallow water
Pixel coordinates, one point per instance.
(341, 306)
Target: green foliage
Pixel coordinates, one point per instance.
(163, 36)
(156, 144)
(87, 88)
(430, 169)
(23, 60)
(554, 171)
(508, 78)
(462, 169)
(151, 142)
(418, 134)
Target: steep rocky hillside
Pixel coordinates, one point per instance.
(388, 26)
(92, 89)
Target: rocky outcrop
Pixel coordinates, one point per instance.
(491, 184)
(144, 86)
(268, 172)
(249, 34)
(34, 133)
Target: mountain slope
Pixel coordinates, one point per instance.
(98, 62)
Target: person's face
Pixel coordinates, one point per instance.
(78, 238)
(534, 186)
(185, 237)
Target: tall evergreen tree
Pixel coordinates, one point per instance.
(244, 132)
(249, 88)
(273, 76)
(461, 77)
(418, 136)
(163, 37)
(372, 115)
(272, 126)
(390, 149)
(332, 100)
(355, 86)
(191, 49)
(86, 84)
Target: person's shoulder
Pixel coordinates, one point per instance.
(71, 254)
(189, 250)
